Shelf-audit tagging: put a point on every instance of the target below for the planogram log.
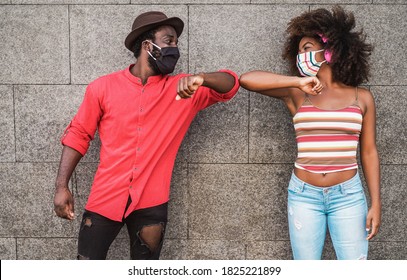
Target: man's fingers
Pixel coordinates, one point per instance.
(65, 211)
(185, 88)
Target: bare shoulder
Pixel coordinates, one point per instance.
(366, 99)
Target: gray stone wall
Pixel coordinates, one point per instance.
(228, 198)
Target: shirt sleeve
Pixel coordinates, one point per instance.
(81, 130)
(208, 97)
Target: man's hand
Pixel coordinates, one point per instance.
(310, 85)
(63, 203)
(188, 85)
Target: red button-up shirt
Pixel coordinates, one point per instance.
(141, 128)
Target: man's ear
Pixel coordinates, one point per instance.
(146, 46)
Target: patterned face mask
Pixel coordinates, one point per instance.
(307, 63)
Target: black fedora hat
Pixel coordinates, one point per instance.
(149, 20)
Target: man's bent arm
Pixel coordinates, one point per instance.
(221, 82)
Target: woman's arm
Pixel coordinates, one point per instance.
(279, 86)
(286, 88)
(370, 162)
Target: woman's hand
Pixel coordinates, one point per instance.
(373, 222)
(310, 85)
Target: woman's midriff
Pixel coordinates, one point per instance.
(324, 179)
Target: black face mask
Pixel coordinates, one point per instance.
(167, 60)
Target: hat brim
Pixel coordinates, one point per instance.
(175, 22)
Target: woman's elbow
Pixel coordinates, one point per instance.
(244, 80)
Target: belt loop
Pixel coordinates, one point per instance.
(302, 186)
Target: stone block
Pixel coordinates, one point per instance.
(42, 114)
(178, 206)
(35, 44)
(266, 197)
(5, 1)
(272, 135)
(190, 2)
(8, 249)
(97, 42)
(383, 25)
(7, 139)
(310, 1)
(391, 123)
(389, 250)
(269, 250)
(236, 37)
(230, 202)
(205, 249)
(60, 2)
(389, 2)
(216, 250)
(174, 249)
(219, 133)
(27, 208)
(46, 248)
(218, 202)
(394, 203)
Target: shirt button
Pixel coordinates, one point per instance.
(131, 187)
(138, 149)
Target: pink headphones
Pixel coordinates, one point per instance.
(327, 53)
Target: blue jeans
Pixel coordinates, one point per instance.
(341, 207)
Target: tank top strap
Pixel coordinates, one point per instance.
(356, 96)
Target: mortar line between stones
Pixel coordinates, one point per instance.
(16, 248)
(69, 44)
(188, 200)
(203, 4)
(14, 120)
(188, 41)
(248, 128)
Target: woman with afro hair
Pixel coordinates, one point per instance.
(332, 116)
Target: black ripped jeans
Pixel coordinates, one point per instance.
(97, 233)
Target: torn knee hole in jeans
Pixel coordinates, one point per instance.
(151, 236)
(86, 222)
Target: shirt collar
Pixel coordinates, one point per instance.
(137, 80)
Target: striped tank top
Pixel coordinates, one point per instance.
(327, 140)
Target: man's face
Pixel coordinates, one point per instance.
(166, 36)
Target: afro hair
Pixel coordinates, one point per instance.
(349, 50)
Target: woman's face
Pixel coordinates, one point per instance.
(308, 44)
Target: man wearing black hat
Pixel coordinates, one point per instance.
(142, 115)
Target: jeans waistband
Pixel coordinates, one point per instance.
(344, 185)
